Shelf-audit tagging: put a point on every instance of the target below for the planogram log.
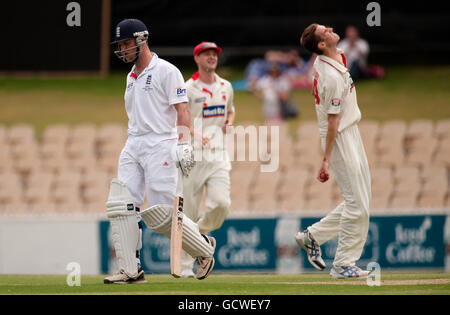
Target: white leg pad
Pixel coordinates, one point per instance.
(125, 237)
(159, 219)
(124, 226)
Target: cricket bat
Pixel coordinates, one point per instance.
(176, 237)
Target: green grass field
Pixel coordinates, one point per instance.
(234, 284)
(406, 93)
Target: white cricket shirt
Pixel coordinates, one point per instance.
(210, 107)
(149, 100)
(335, 93)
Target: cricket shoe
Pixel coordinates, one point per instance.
(349, 272)
(306, 242)
(205, 264)
(122, 278)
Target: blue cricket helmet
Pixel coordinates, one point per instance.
(128, 29)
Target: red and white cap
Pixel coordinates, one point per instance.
(205, 46)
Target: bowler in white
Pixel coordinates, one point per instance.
(338, 115)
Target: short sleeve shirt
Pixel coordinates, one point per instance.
(149, 99)
(334, 93)
(210, 108)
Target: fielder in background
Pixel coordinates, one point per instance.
(158, 143)
(338, 115)
(212, 110)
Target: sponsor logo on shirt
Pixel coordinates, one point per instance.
(180, 91)
(213, 111)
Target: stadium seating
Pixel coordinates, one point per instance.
(56, 134)
(263, 191)
(442, 155)
(69, 168)
(11, 190)
(6, 161)
(422, 128)
(406, 187)
(442, 130)
(21, 134)
(244, 174)
(369, 131)
(382, 187)
(421, 151)
(292, 186)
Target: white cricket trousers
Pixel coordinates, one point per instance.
(349, 221)
(214, 177)
(148, 169)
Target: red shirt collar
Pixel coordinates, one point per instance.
(195, 76)
(341, 68)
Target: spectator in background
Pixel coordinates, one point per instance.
(295, 69)
(256, 69)
(356, 51)
(274, 90)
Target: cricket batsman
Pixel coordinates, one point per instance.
(212, 111)
(338, 115)
(158, 143)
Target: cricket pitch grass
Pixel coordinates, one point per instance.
(233, 284)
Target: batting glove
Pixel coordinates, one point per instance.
(185, 158)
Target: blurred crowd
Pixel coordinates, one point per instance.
(292, 66)
(274, 90)
(273, 78)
